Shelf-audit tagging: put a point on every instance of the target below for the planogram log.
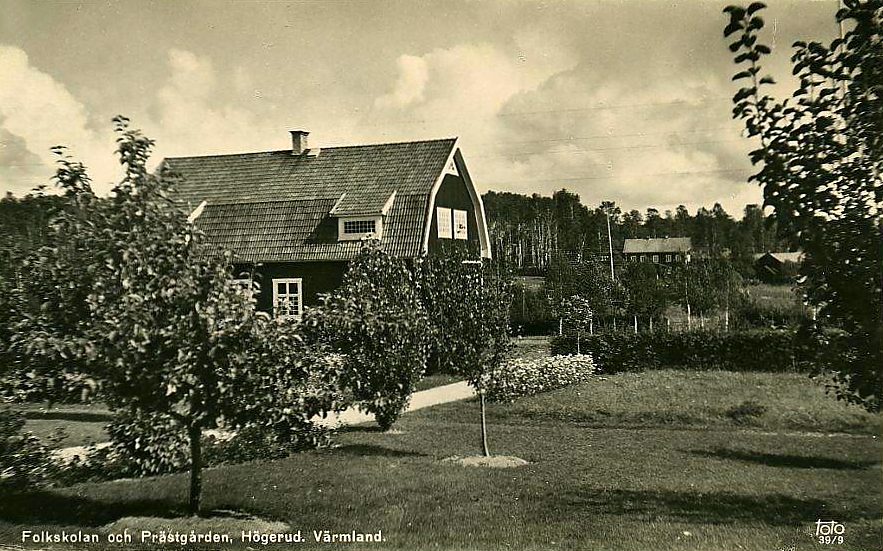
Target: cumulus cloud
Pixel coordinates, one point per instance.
(36, 113)
(413, 74)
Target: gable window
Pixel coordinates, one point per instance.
(359, 226)
(444, 220)
(461, 227)
(288, 297)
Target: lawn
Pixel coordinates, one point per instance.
(675, 474)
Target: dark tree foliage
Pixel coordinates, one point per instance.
(468, 303)
(528, 233)
(377, 321)
(820, 158)
(128, 292)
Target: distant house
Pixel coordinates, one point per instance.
(772, 265)
(295, 217)
(666, 250)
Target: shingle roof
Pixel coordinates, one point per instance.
(275, 206)
(782, 256)
(657, 245)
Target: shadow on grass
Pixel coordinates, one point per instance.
(377, 451)
(779, 460)
(702, 508)
(45, 507)
(88, 416)
(360, 428)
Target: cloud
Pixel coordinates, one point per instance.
(36, 113)
(413, 74)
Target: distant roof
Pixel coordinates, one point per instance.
(276, 206)
(782, 256)
(658, 245)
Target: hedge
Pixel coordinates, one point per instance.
(525, 377)
(754, 350)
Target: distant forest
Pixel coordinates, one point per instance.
(526, 232)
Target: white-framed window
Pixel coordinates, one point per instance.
(643, 258)
(444, 221)
(656, 258)
(354, 229)
(461, 224)
(288, 297)
(359, 226)
(668, 258)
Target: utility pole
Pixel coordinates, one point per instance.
(609, 244)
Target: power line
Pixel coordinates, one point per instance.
(541, 112)
(580, 178)
(613, 148)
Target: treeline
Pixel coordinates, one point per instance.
(527, 232)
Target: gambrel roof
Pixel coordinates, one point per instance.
(657, 245)
(276, 206)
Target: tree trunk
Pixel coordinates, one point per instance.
(195, 470)
(484, 447)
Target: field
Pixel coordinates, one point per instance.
(633, 461)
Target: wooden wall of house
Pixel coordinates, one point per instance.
(453, 194)
(318, 278)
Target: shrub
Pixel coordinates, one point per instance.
(377, 321)
(756, 350)
(525, 377)
(755, 313)
(24, 460)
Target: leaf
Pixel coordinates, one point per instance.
(767, 80)
(754, 7)
(733, 27)
(743, 74)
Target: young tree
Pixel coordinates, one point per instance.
(578, 318)
(646, 289)
(376, 319)
(704, 285)
(468, 304)
(130, 289)
(821, 155)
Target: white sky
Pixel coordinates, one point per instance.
(614, 100)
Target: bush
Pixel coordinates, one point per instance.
(145, 445)
(377, 321)
(755, 313)
(24, 460)
(756, 350)
(525, 377)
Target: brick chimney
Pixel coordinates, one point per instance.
(299, 141)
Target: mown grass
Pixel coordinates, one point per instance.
(689, 399)
(632, 461)
(586, 488)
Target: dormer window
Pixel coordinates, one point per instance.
(363, 227)
(359, 226)
(360, 213)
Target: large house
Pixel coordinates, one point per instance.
(294, 218)
(665, 250)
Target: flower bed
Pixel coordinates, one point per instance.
(525, 377)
